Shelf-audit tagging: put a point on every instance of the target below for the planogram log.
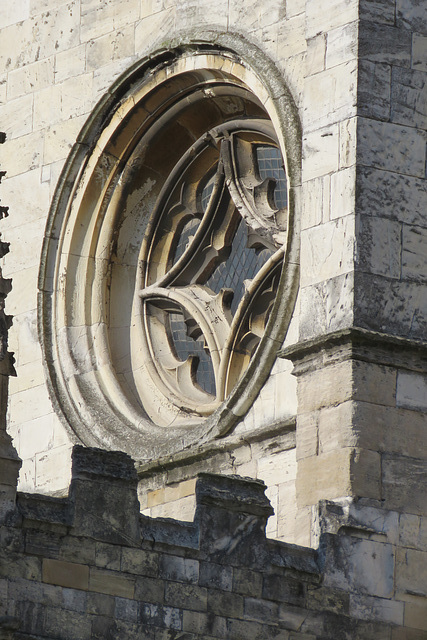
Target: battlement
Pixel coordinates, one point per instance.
(91, 566)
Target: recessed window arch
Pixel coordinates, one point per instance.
(170, 261)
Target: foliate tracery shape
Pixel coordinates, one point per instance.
(212, 261)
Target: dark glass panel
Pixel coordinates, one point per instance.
(185, 346)
(270, 165)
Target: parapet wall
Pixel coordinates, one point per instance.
(91, 566)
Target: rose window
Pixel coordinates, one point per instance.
(212, 261)
(169, 271)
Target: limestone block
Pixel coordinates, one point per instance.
(28, 197)
(231, 515)
(29, 238)
(411, 390)
(40, 6)
(140, 562)
(327, 250)
(285, 397)
(251, 17)
(342, 196)
(76, 96)
(226, 604)
(403, 481)
(76, 625)
(11, 12)
(419, 52)
(409, 97)
(360, 519)
(203, 624)
(392, 147)
(326, 306)
(290, 35)
(53, 468)
(377, 10)
(316, 202)
(389, 306)
(357, 564)
(108, 556)
(286, 512)
(30, 78)
(70, 63)
(325, 387)
(336, 428)
(333, 92)
(65, 574)
(278, 468)
(103, 50)
(16, 117)
(374, 89)
(60, 138)
(148, 7)
(413, 531)
(3, 87)
(404, 633)
(27, 475)
(24, 335)
(104, 508)
(379, 246)
(101, 18)
(327, 15)
(307, 435)
(416, 615)
(414, 261)
(384, 43)
(23, 298)
(41, 36)
(39, 435)
(316, 53)
(194, 12)
(272, 494)
(36, 397)
(149, 589)
(342, 44)
(179, 569)
(104, 77)
(411, 572)
(391, 430)
(411, 15)
(388, 194)
(182, 509)
(348, 131)
(111, 584)
(338, 473)
(320, 152)
(370, 608)
(23, 153)
(146, 28)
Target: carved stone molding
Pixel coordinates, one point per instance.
(170, 263)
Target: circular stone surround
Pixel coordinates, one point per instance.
(111, 275)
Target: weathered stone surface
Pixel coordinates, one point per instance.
(403, 481)
(365, 565)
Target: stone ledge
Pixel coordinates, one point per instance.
(357, 344)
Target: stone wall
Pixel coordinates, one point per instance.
(58, 59)
(90, 566)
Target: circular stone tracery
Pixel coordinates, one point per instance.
(164, 258)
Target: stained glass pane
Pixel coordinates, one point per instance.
(187, 233)
(185, 346)
(242, 264)
(270, 165)
(207, 192)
